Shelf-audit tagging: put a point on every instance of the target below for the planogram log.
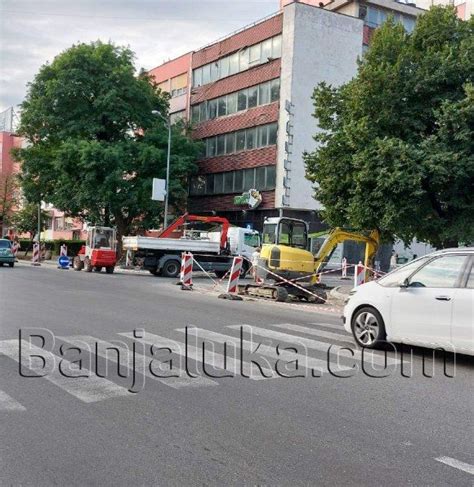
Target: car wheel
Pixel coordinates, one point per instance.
(97, 268)
(220, 274)
(368, 327)
(11, 264)
(171, 268)
(110, 269)
(1, 264)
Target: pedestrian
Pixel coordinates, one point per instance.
(415, 256)
(393, 260)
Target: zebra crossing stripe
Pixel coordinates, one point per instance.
(330, 325)
(87, 389)
(141, 362)
(317, 345)
(213, 359)
(320, 333)
(309, 363)
(7, 403)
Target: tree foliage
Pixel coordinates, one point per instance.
(25, 220)
(95, 144)
(8, 197)
(395, 146)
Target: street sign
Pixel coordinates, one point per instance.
(63, 262)
(159, 189)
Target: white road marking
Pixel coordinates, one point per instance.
(305, 362)
(331, 325)
(7, 403)
(87, 389)
(452, 462)
(213, 359)
(317, 345)
(141, 362)
(319, 333)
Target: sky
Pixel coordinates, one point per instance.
(33, 32)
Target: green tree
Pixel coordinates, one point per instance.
(395, 146)
(95, 144)
(8, 198)
(25, 220)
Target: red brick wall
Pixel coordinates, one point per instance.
(249, 118)
(265, 156)
(226, 202)
(252, 35)
(238, 81)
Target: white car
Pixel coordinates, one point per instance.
(427, 302)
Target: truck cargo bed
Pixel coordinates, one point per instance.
(172, 244)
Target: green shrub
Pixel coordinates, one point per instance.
(73, 246)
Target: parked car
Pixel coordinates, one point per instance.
(6, 253)
(427, 302)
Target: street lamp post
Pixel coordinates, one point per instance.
(168, 157)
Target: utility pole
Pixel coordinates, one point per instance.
(168, 158)
(39, 222)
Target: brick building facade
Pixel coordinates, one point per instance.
(248, 97)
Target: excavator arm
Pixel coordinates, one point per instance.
(183, 219)
(337, 236)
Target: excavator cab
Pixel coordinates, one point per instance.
(285, 247)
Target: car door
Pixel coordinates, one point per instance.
(421, 312)
(462, 328)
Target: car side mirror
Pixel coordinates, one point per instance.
(405, 283)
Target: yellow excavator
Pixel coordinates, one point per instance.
(285, 257)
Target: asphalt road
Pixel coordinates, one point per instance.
(327, 430)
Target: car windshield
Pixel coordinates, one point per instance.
(398, 276)
(5, 244)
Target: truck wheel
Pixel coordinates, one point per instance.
(110, 269)
(171, 268)
(77, 264)
(87, 265)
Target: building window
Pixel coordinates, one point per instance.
(252, 97)
(375, 17)
(260, 178)
(239, 61)
(177, 116)
(251, 138)
(238, 101)
(220, 145)
(178, 92)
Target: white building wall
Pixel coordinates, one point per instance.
(317, 45)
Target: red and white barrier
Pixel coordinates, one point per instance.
(187, 270)
(233, 285)
(35, 259)
(359, 274)
(15, 249)
(63, 250)
(181, 272)
(344, 268)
